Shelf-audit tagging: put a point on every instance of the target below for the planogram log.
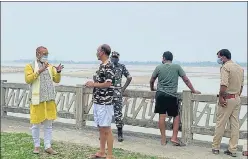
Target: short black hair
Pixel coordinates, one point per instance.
(168, 55)
(106, 49)
(226, 53)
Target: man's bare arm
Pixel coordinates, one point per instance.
(188, 83)
(153, 78)
(106, 84)
(152, 81)
(128, 81)
(128, 76)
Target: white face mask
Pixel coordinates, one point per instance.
(44, 59)
(219, 61)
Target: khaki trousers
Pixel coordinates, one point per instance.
(231, 113)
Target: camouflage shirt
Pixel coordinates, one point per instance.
(120, 69)
(104, 96)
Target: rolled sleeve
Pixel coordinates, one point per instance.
(224, 76)
(126, 72)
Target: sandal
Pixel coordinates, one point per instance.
(96, 156)
(51, 151)
(179, 143)
(36, 150)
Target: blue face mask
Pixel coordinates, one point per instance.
(219, 61)
(44, 59)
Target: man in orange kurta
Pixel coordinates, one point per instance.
(43, 110)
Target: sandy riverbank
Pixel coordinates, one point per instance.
(140, 76)
(80, 74)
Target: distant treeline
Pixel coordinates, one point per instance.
(203, 63)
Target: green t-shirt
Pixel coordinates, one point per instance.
(168, 74)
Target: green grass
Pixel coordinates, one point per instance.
(20, 146)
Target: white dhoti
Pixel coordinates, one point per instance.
(47, 134)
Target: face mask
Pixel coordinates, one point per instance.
(44, 59)
(115, 60)
(219, 61)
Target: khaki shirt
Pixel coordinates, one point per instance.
(232, 76)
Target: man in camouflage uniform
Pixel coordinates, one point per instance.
(102, 100)
(120, 69)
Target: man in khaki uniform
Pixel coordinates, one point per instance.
(231, 86)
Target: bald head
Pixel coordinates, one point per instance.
(103, 52)
(106, 49)
(41, 49)
(42, 53)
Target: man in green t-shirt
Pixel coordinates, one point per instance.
(166, 94)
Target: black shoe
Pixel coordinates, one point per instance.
(216, 152)
(227, 152)
(120, 135)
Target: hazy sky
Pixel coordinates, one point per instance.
(140, 31)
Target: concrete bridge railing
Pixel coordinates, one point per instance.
(198, 112)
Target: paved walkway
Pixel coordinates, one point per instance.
(146, 146)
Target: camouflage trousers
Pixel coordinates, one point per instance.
(117, 103)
